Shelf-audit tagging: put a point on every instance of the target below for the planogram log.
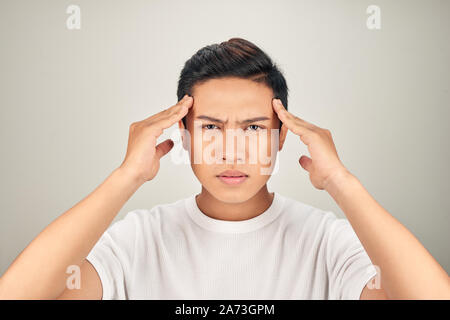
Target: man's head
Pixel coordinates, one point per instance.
(232, 85)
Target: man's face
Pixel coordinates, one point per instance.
(232, 126)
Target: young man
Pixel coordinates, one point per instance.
(235, 239)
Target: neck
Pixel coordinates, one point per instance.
(220, 210)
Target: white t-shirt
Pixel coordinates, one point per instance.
(174, 251)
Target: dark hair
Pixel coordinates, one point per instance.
(235, 57)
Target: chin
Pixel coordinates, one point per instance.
(232, 194)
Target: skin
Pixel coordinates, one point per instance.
(407, 269)
(232, 100)
(39, 272)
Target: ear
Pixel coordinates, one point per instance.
(283, 134)
(183, 132)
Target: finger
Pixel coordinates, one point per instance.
(305, 162)
(177, 112)
(184, 104)
(293, 123)
(163, 148)
(169, 117)
(279, 108)
(186, 101)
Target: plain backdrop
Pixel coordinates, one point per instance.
(68, 97)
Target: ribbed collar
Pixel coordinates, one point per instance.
(242, 226)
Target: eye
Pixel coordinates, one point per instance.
(253, 127)
(207, 126)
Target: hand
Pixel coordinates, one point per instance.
(324, 162)
(143, 155)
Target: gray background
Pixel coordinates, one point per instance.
(68, 97)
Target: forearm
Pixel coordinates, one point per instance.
(39, 272)
(408, 271)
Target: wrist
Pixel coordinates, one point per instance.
(338, 180)
(130, 175)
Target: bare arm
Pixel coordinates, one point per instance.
(90, 285)
(39, 272)
(407, 269)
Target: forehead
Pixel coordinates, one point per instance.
(232, 96)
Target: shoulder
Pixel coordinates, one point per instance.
(146, 219)
(306, 224)
(308, 228)
(298, 213)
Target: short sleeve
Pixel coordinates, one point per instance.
(112, 257)
(348, 264)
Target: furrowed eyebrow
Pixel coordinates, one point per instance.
(254, 119)
(243, 121)
(210, 119)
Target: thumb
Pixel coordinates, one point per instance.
(305, 162)
(163, 148)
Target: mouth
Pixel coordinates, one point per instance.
(232, 177)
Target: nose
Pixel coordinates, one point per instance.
(234, 146)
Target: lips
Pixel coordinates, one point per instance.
(232, 173)
(232, 177)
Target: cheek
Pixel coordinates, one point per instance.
(200, 170)
(204, 150)
(262, 146)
